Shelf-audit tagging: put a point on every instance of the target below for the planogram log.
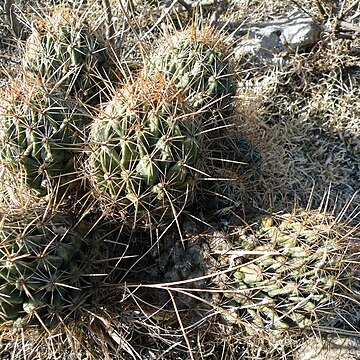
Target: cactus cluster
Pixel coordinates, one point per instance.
(289, 271)
(41, 134)
(39, 276)
(143, 150)
(145, 155)
(169, 128)
(141, 159)
(167, 140)
(62, 49)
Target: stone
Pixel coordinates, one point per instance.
(331, 347)
(301, 33)
(268, 43)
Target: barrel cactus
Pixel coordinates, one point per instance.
(63, 49)
(197, 62)
(40, 280)
(40, 134)
(288, 272)
(142, 152)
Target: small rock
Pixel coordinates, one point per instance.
(300, 33)
(268, 43)
(329, 348)
(260, 47)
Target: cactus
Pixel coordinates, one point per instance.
(40, 280)
(40, 135)
(291, 272)
(197, 62)
(64, 50)
(142, 151)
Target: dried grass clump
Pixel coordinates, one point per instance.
(307, 120)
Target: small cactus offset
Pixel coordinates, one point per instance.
(197, 62)
(288, 273)
(143, 151)
(62, 49)
(40, 281)
(41, 132)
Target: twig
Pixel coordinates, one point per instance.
(108, 19)
(187, 7)
(296, 3)
(167, 11)
(321, 8)
(130, 7)
(181, 325)
(349, 26)
(13, 21)
(350, 7)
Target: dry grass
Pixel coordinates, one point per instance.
(305, 117)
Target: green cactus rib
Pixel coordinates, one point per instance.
(41, 133)
(38, 271)
(295, 266)
(62, 49)
(143, 150)
(198, 64)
